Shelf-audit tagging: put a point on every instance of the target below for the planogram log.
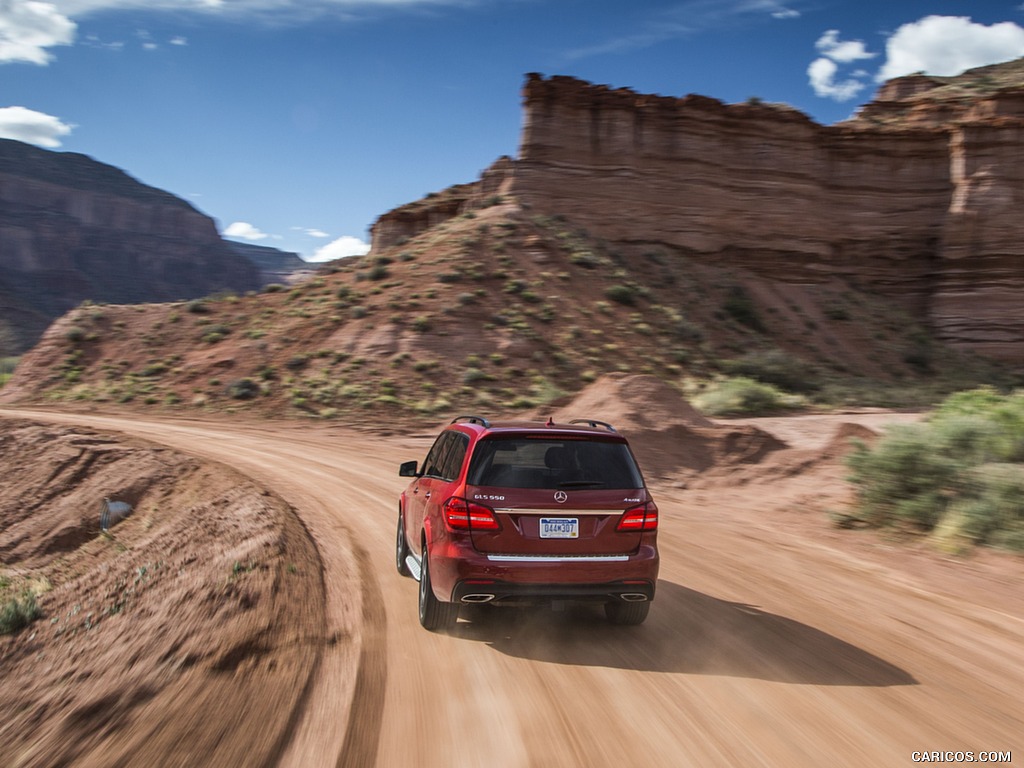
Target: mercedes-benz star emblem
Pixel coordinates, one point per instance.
(561, 496)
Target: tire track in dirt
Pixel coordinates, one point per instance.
(362, 734)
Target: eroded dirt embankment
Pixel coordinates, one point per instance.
(196, 617)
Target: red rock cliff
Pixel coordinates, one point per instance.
(920, 197)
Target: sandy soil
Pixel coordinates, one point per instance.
(774, 640)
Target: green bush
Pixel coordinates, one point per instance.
(243, 389)
(960, 475)
(18, 612)
(74, 334)
(773, 366)
(297, 362)
(623, 294)
(214, 333)
(741, 396)
(740, 307)
(7, 366)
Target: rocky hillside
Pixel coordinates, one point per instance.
(503, 308)
(72, 229)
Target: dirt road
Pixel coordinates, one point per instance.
(774, 640)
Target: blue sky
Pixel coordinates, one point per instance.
(295, 123)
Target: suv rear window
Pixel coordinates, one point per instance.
(550, 462)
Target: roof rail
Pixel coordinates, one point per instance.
(475, 419)
(594, 423)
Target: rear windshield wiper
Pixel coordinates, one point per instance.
(582, 484)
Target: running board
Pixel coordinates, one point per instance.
(413, 565)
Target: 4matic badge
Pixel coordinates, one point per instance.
(561, 496)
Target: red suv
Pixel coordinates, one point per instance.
(510, 512)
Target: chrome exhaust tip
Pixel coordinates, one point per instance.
(481, 598)
(634, 597)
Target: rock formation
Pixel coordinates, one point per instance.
(72, 229)
(918, 197)
(275, 265)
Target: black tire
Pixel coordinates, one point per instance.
(401, 548)
(435, 615)
(627, 614)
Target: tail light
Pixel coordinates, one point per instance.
(640, 518)
(464, 515)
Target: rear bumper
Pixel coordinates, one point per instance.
(458, 571)
(474, 591)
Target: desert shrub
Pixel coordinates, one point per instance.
(1004, 412)
(992, 502)
(74, 334)
(959, 475)
(243, 389)
(7, 366)
(214, 333)
(274, 288)
(623, 294)
(18, 612)
(155, 369)
(900, 479)
(377, 272)
(297, 362)
(774, 367)
(197, 307)
(473, 375)
(740, 307)
(741, 396)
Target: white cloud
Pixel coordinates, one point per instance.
(844, 52)
(28, 28)
(179, 40)
(299, 9)
(948, 45)
(32, 127)
(244, 231)
(340, 249)
(822, 75)
(774, 8)
(310, 231)
(823, 71)
(93, 41)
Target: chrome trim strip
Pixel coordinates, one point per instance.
(558, 558)
(557, 511)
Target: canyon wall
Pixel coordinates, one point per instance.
(919, 197)
(73, 229)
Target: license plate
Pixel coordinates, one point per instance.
(559, 528)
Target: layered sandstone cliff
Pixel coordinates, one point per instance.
(920, 197)
(73, 229)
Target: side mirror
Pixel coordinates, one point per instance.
(408, 469)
